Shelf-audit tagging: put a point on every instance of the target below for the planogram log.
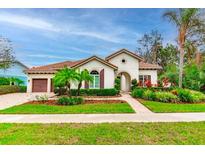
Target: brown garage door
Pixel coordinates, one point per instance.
(39, 85)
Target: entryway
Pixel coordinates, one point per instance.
(125, 81)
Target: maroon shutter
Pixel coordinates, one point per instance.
(86, 85)
(102, 79)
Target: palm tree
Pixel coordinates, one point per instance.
(83, 76)
(190, 26)
(64, 78)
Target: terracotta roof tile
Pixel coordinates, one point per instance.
(52, 68)
(143, 65)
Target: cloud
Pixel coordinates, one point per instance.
(46, 56)
(112, 33)
(27, 22)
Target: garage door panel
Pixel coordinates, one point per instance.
(39, 85)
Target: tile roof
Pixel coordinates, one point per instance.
(148, 66)
(52, 68)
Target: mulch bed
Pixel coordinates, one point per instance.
(54, 102)
(90, 96)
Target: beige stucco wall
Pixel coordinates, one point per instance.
(131, 66)
(153, 74)
(109, 74)
(39, 76)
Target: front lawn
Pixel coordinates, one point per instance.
(54, 109)
(106, 133)
(160, 107)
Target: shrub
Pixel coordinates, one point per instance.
(90, 92)
(134, 84)
(190, 96)
(4, 81)
(9, 89)
(184, 95)
(149, 95)
(70, 101)
(148, 83)
(117, 83)
(23, 88)
(166, 97)
(138, 92)
(42, 98)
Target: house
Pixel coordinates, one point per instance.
(16, 70)
(123, 63)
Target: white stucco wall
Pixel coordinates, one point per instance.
(153, 74)
(39, 76)
(109, 74)
(131, 66)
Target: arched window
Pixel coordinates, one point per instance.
(96, 80)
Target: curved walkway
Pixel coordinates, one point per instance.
(142, 115)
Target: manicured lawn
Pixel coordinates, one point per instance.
(54, 109)
(170, 107)
(106, 133)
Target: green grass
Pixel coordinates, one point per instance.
(105, 133)
(160, 107)
(83, 108)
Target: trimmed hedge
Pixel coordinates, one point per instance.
(89, 92)
(11, 89)
(70, 101)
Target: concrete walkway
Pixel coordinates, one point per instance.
(142, 114)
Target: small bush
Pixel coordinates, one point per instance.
(149, 95)
(190, 96)
(185, 95)
(70, 101)
(23, 88)
(134, 84)
(4, 81)
(138, 93)
(117, 84)
(166, 97)
(42, 98)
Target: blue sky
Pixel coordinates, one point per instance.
(43, 36)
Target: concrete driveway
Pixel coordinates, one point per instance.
(13, 99)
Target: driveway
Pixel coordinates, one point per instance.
(13, 99)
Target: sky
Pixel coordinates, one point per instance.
(44, 36)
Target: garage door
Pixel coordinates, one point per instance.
(39, 85)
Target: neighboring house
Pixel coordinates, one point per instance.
(122, 63)
(16, 70)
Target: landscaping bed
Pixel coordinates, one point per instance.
(177, 133)
(50, 107)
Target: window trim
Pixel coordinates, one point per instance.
(95, 76)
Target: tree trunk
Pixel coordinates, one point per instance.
(79, 86)
(68, 90)
(181, 64)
